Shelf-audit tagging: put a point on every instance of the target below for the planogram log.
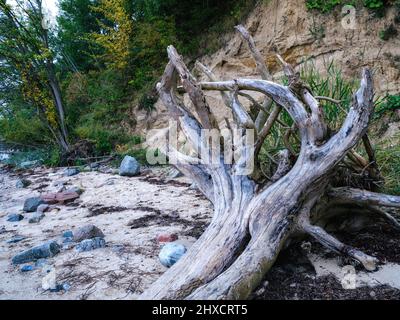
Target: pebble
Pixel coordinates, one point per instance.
(71, 172)
(45, 250)
(26, 268)
(129, 167)
(76, 190)
(36, 217)
(15, 239)
(22, 183)
(91, 244)
(167, 238)
(171, 253)
(68, 234)
(31, 204)
(87, 232)
(14, 217)
(43, 208)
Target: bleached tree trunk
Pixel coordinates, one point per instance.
(253, 220)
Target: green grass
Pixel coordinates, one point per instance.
(388, 159)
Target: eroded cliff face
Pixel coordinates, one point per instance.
(298, 34)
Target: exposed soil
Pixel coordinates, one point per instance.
(294, 277)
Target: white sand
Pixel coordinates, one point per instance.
(127, 265)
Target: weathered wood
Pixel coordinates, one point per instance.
(251, 222)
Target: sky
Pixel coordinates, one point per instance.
(50, 5)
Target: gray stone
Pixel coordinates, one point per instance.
(45, 250)
(31, 204)
(68, 234)
(22, 183)
(30, 164)
(91, 244)
(174, 173)
(87, 232)
(14, 217)
(15, 239)
(75, 189)
(36, 217)
(42, 208)
(41, 263)
(129, 167)
(70, 172)
(27, 268)
(171, 253)
(58, 183)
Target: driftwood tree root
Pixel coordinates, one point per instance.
(254, 219)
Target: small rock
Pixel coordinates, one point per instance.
(42, 208)
(76, 190)
(59, 183)
(36, 217)
(59, 197)
(167, 238)
(29, 164)
(260, 291)
(41, 263)
(31, 204)
(91, 244)
(60, 189)
(129, 167)
(193, 186)
(49, 281)
(293, 285)
(110, 182)
(68, 234)
(70, 172)
(46, 250)
(66, 286)
(22, 183)
(26, 268)
(15, 239)
(87, 232)
(14, 217)
(372, 294)
(3, 229)
(174, 173)
(171, 253)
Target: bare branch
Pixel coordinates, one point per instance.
(364, 197)
(260, 64)
(262, 70)
(225, 97)
(196, 95)
(284, 165)
(334, 244)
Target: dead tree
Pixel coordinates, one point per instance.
(254, 219)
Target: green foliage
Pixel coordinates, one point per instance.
(389, 104)
(322, 5)
(388, 158)
(329, 82)
(374, 4)
(49, 156)
(75, 21)
(325, 6)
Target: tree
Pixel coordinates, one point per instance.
(75, 21)
(25, 48)
(254, 219)
(115, 33)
